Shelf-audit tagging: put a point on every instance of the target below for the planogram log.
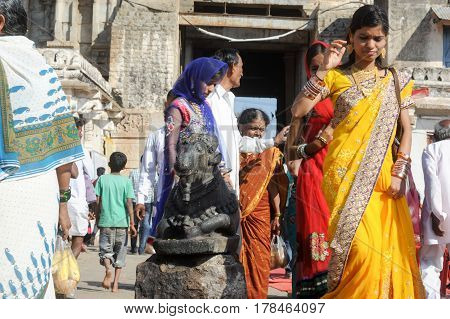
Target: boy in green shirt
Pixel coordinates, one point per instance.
(114, 215)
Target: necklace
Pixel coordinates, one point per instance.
(362, 76)
(197, 111)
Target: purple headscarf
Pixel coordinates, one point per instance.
(190, 84)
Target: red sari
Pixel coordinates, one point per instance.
(312, 213)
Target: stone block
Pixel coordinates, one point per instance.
(199, 277)
(199, 245)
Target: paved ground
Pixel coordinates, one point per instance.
(92, 274)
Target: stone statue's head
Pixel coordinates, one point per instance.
(197, 157)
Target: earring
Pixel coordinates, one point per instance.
(350, 48)
(383, 53)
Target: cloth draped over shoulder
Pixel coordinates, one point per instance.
(257, 171)
(371, 234)
(183, 118)
(38, 129)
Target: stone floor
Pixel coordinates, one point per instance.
(92, 274)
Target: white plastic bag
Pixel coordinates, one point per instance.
(278, 253)
(65, 270)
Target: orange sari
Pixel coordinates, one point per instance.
(257, 171)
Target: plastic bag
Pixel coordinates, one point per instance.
(65, 270)
(278, 253)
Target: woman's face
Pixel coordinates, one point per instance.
(208, 88)
(368, 43)
(315, 63)
(256, 128)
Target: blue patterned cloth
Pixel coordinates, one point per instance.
(37, 127)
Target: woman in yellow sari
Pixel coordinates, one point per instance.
(371, 234)
(263, 195)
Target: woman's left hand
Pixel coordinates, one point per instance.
(275, 226)
(397, 188)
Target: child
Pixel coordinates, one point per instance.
(114, 199)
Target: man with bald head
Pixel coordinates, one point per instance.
(436, 210)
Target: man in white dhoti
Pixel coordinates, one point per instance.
(435, 219)
(78, 203)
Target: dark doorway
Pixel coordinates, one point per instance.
(264, 76)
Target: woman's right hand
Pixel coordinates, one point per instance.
(333, 55)
(64, 220)
(327, 133)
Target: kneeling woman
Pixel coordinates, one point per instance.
(263, 192)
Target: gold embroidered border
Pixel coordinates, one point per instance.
(348, 99)
(363, 184)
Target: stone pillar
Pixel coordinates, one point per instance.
(144, 60)
(74, 22)
(66, 24)
(59, 11)
(144, 64)
(96, 18)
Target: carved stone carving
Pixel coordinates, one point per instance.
(201, 203)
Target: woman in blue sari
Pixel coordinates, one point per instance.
(38, 143)
(189, 113)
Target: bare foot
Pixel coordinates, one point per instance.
(107, 280)
(115, 287)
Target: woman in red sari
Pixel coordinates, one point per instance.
(263, 195)
(312, 210)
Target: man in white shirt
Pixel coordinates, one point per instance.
(149, 172)
(151, 168)
(435, 219)
(221, 101)
(77, 205)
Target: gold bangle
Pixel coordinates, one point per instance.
(322, 139)
(404, 156)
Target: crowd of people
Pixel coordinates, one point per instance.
(336, 192)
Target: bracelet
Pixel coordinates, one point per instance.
(404, 156)
(322, 139)
(277, 215)
(314, 87)
(301, 151)
(64, 195)
(401, 168)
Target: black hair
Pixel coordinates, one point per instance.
(100, 171)
(79, 122)
(218, 76)
(249, 115)
(117, 161)
(170, 95)
(228, 55)
(367, 16)
(313, 50)
(15, 17)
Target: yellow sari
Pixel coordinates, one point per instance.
(371, 234)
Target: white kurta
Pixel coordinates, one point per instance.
(436, 168)
(151, 167)
(230, 139)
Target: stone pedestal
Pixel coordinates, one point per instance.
(190, 276)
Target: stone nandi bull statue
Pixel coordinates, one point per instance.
(201, 203)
